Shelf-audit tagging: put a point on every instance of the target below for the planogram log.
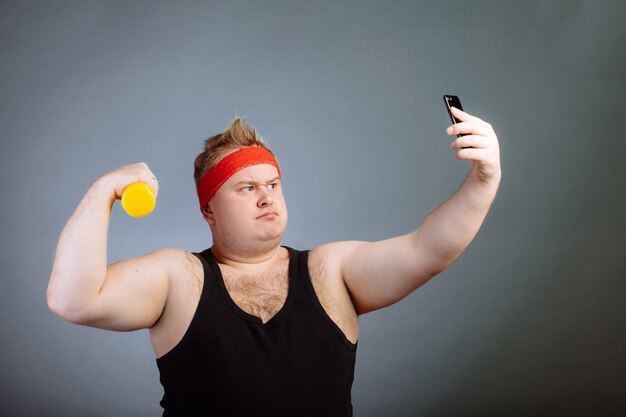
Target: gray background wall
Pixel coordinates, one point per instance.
(529, 321)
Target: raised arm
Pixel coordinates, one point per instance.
(124, 296)
(378, 274)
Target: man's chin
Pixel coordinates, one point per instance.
(271, 238)
(262, 245)
(272, 235)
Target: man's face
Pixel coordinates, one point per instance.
(249, 209)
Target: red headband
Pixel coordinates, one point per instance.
(227, 166)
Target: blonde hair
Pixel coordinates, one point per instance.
(238, 135)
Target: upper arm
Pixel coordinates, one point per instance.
(378, 274)
(134, 292)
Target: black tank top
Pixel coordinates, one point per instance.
(229, 363)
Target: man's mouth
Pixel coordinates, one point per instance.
(270, 213)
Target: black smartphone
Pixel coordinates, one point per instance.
(453, 101)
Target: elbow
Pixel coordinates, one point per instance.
(53, 302)
(61, 309)
(64, 309)
(68, 314)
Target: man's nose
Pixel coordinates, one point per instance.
(265, 197)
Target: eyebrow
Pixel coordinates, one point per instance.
(251, 181)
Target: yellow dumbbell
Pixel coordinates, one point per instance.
(138, 199)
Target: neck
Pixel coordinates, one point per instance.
(248, 259)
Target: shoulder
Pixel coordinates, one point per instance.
(172, 256)
(176, 262)
(333, 256)
(185, 274)
(328, 262)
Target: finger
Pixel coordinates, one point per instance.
(153, 183)
(462, 115)
(472, 141)
(147, 176)
(475, 154)
(472, 127)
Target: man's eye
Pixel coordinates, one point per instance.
(272, 185)
(249, 188)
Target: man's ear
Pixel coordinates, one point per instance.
(208, 214)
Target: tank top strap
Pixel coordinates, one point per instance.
(208, 284)
(304, 276)
(201, 308)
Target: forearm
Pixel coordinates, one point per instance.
(80, 262)
(450, 228)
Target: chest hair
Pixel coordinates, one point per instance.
(261, 295)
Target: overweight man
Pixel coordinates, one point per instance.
(249, 327)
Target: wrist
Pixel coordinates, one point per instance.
(482, 191)
(491, 182)
(103, 188)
